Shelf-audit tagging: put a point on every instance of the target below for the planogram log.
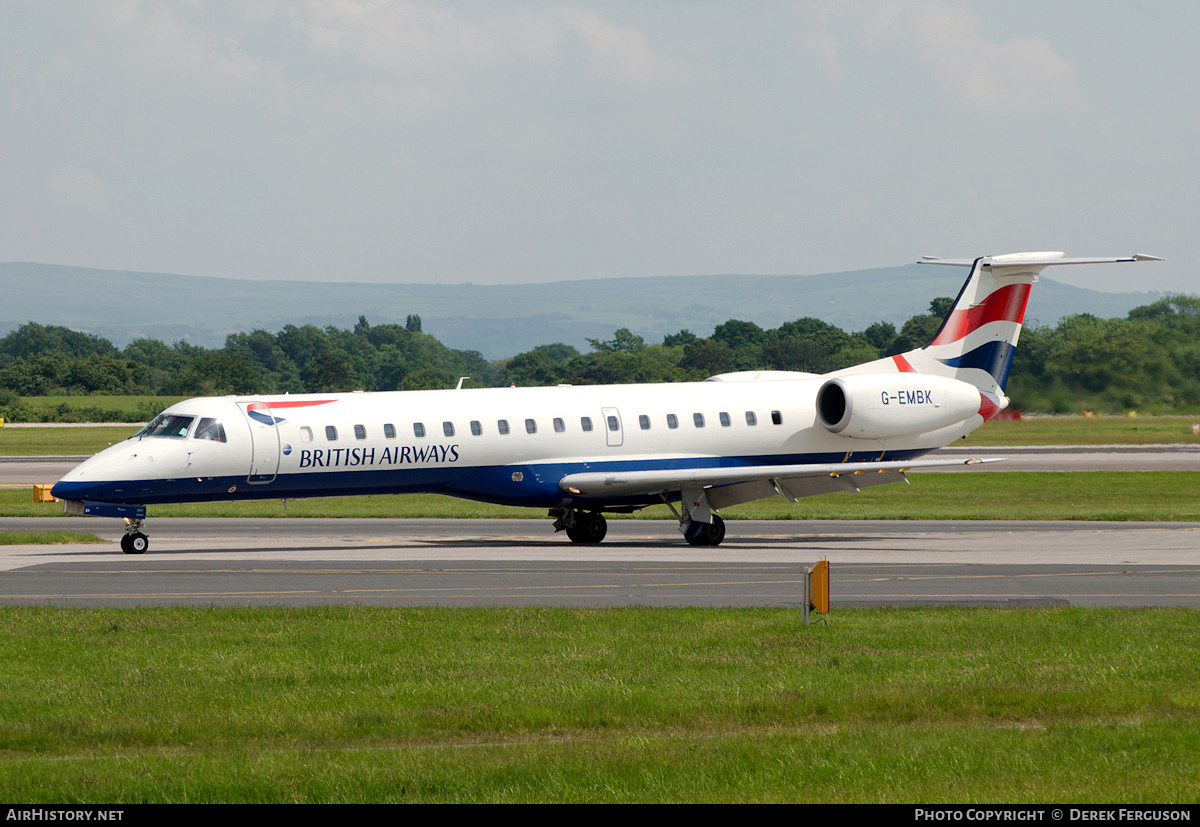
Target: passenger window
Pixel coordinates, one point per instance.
(331, 433)
(585, 422)
(644, 421)
(698, 419)
(210, 429)
(448, 428)
(360, 432)
(306, 434)
(613, 424)
(559, 425)
(476, 428)
(725, 420)
(672, 421)
(389, 430)
(502, 425)
(419, 429)
(751, 418)
(530, 426)
(777, 417)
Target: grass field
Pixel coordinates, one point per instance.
(65, 441)
(24, 538)
(96, 408)
(121, 404)
(1078, 430)
(516, 705)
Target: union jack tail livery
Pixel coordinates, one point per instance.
(977, 340)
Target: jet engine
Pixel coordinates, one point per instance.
(881, 405)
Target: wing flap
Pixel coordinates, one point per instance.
(793, 489)
(796, 478)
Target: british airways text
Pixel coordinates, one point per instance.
(399, 455)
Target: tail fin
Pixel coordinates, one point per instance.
(976, 342)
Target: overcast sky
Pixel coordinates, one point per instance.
(364, 140)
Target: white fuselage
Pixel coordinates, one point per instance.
(504, 445)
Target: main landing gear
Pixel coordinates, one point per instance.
(705, 534)
(697, 523)
(134, 541)
(584, 527)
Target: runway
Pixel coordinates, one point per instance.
(644, 562)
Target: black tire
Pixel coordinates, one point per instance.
(706, 534)
(716, 531)
(135, 543)
(589, 529)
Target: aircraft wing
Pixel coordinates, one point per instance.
(731, 485)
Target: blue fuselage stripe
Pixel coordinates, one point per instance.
(532, 484)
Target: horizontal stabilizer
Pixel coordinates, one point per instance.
(1033, 260)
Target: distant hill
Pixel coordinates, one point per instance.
(496, 320)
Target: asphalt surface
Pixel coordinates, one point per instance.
(643, 562)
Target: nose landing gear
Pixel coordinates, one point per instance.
(134, 541)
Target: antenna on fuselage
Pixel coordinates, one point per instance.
(461, 379)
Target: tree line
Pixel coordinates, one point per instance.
(1147, 360)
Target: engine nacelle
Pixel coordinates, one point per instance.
(881, 405)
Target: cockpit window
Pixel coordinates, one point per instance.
(170, 425)
(210, 428)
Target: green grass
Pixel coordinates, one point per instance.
(980, 495)
(63, 440)
(1079, 430)
(97, 408)
(26, 538)
(121, 404)
(512, 705)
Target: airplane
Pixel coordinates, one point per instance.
(583, 451)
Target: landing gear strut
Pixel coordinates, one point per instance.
(584, 527)
(134, 541)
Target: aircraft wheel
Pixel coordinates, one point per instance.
(716, 531)
(706, 534)
(590, 527)
(135, 543)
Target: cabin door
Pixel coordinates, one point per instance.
(612, 427)
(264, 442)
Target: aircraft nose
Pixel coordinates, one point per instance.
(80, 483)
(101, 477)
